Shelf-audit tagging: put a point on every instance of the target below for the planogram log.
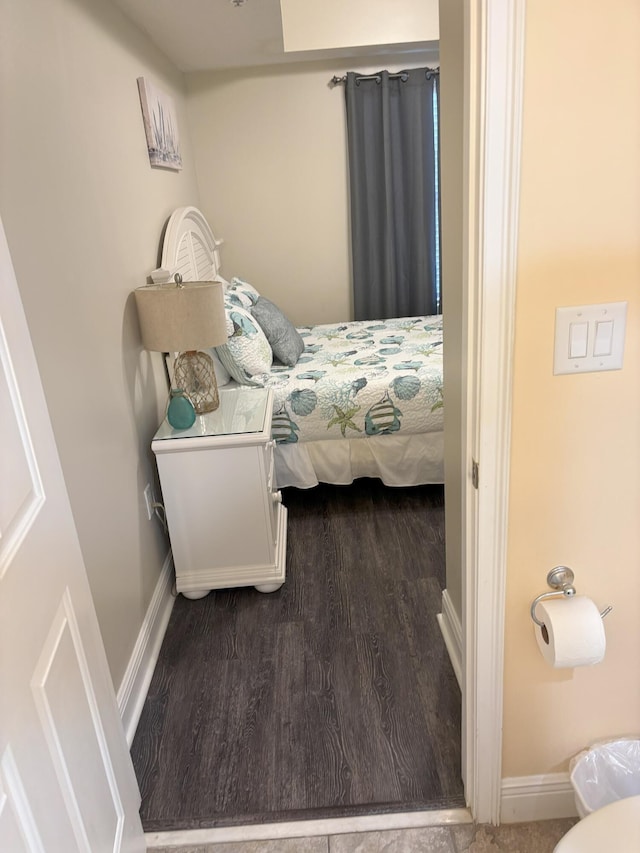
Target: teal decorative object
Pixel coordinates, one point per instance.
(180, 411)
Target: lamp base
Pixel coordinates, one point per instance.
(196, 376)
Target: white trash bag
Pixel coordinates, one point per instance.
(607, 771)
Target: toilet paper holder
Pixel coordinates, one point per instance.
(560, 579)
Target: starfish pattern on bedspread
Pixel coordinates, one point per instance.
(344, 419)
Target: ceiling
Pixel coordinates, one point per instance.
(200, 35)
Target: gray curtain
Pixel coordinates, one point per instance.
(393, 193)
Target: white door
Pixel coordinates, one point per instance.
(66, 778)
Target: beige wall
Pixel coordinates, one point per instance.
(454, 313)
(83, 213)
(322, 24)
(575, 467)
(270, 150)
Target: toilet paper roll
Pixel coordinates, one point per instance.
(573, 633)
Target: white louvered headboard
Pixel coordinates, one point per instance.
(189, 248)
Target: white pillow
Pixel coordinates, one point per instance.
(241, 293)
(247, 355)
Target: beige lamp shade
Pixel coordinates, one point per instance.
(180, 317)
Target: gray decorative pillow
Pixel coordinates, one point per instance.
(285, 340)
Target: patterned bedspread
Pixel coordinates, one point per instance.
(361, 378)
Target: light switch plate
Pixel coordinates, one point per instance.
(610, 338)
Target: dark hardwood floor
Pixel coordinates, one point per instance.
(333, 696)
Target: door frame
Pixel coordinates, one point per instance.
(494, 52)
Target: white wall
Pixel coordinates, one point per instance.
(83, 212)
(271, 156)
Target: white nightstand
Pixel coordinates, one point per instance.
(226, 522)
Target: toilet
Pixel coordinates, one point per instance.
(613, 827)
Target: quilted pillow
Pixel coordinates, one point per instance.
(246, 355)
(241, 293)
(284, 338)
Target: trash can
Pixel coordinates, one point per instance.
(607, 771)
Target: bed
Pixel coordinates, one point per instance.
(358, 399)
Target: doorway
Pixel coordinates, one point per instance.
(494, 34)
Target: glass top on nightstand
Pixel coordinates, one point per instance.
(241, 410)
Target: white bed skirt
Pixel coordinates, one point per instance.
(397, 460)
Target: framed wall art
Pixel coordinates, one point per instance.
(160, 126)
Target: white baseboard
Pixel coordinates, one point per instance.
(451, 628)
(525, 798)
(135, 683)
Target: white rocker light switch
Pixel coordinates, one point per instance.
(578, 339)
(590, 338)
(604, 337)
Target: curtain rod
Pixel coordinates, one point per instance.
(402, 75)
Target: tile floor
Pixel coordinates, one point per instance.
(539, 837)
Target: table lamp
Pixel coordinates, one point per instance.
(185, 318)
